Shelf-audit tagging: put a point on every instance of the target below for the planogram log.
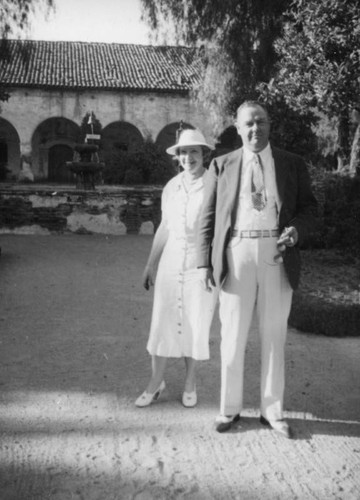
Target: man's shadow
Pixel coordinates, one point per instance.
(322, 394)
(302, 429)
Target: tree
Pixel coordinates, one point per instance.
(318, 64)
(148, 164)
(15, 18)
(15, 15)
(234, 41)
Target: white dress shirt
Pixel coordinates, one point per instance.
(247, 216)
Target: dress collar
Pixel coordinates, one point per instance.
(194, 186)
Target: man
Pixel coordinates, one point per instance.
(258, 208)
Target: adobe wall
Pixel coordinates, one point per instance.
(41, 210)
(148, 112)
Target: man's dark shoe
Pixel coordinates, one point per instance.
(224, 423)
(279, 426)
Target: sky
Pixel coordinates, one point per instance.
(112, 21)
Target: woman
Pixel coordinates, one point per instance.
(182, 309)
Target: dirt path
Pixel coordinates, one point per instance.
(73, 328)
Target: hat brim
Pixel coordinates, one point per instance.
(172, 149)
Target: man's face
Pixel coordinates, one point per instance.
(253, 127)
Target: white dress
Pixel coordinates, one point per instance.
(182, 309)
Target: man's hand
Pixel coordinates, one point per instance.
(288, 238)
(207, 279)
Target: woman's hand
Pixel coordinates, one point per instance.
(148, 277)
(207, 278)
(157, 248)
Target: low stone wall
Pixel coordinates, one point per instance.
(30, 209)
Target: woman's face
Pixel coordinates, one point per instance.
(191, 158)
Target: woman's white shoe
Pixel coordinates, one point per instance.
(147, 398)
(189, 399)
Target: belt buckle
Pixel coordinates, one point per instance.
(253, 233)
(266, 233)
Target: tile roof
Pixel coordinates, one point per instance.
(81, 65)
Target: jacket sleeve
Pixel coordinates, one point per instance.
(207, 217)
(305, 216)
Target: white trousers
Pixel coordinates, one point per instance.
(254, 279)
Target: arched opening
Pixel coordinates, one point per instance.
(121, 136)
(167, 136)
(57, 169)
(48, 161)
(9, 150)
(3, 160)
(119, 140)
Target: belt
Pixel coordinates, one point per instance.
(255, 233)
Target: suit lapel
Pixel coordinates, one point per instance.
(233, 179)
(281, 172)
(233, 174)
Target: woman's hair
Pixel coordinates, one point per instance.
(206, 156)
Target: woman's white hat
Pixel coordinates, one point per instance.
(189, 137)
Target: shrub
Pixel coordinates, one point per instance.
(342, 212)
(338, 195)
(149, 164)
(117, 162)
(328, 300)
(315, 314)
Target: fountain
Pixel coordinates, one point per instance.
(86, 165)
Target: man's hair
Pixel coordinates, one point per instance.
(251, 104)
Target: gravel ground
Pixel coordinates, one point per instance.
(74, 321)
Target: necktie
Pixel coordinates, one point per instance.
(258, 195)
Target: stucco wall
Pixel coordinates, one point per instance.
(39, 210)
(149, 112)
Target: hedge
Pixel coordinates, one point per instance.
(328, 299)
(338, 195)
(316, 315)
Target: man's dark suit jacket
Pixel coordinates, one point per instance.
(218, 215)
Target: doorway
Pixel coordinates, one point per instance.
(57, 169)
(3, 160)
